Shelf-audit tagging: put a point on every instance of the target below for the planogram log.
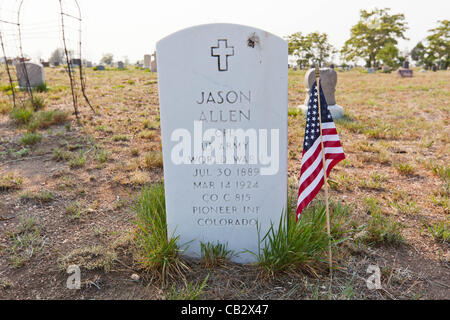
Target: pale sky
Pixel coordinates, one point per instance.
(131, 28)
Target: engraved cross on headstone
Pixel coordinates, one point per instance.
(222, 52)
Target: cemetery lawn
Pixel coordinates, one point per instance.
(67, 191)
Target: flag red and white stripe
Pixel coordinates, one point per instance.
(311, 176)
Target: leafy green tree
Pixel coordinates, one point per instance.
(418, 53)
(375, 30)
(296, 47)
(438, 48)
(320, 48)
(310, 48)
(389, 55)
(57, 56)
(435, 48)
(107, 58)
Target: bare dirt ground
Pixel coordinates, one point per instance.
(69, 196)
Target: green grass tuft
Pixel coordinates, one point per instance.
(295, 245)
(191, 291)
(41, 87)
(440, 231)
(10, 182)
(22, 115)
(30, 138)
(214, 254)
(78, 161)
(157, 251)
(383, 230)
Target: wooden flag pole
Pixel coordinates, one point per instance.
(325, 178)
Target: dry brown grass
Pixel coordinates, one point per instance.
(396, 136)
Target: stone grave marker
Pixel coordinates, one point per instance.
(153, 64)
(120, 65)
(223, 100)
(35, 72)
(75, 62)
(147, 61)
(405, 72)
(328, 79)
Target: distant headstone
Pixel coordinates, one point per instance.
(75, 62)
(405, 73)
(328, 80)
(147, 61)
(100, 67)
(153, 64)
(406, 64)
(224, 135)
(88, 64)
(120, 65)
(56, 64)
(434, 68)
(371, 70)
(386, 69)
(294, 69)
(34, 71)
(45, 64)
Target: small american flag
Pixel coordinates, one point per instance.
(311, 176)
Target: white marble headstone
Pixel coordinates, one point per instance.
(223, 100)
